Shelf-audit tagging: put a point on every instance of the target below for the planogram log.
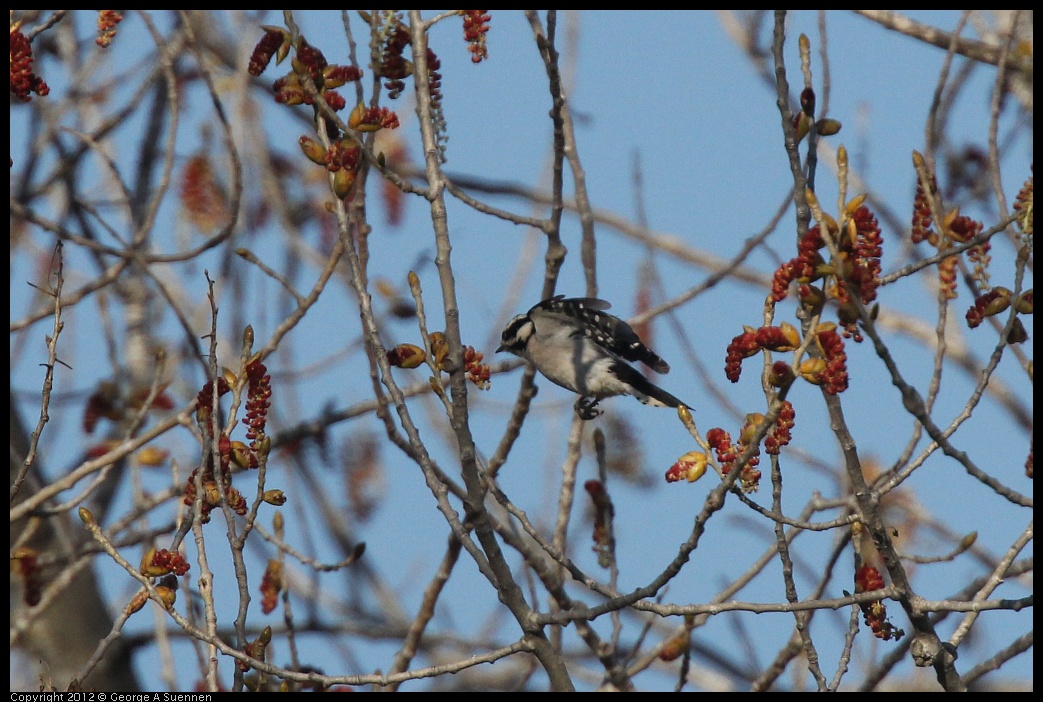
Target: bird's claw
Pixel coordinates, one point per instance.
(586, 408)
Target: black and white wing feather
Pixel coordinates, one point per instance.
(576, 344)
(606, 330)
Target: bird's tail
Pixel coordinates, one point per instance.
(647, 392)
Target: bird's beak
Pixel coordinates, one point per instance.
(500, 348)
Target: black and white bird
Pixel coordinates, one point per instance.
(574, 343)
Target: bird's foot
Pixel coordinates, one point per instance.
(586, 407)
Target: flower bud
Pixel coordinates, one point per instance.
(406, 356)
(151, 456)
(1023, 303)
(811, 370)
(847, 313)
(343, 179)
(673, 648)
(998, 301)
(1017, 333)
(356, 116)
(801, 123)
(827, 127)
(780, 375)
(284, 47)
(690, 467)
(264, 447)
(146, 564)
(315, 151)
(854, 204)
(137, 602)
(439, 349)
(792, 336)
(167, 594)
(274, 497)
(812, 298)
(749, 429)
(240, 455)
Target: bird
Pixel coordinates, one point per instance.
(574, 343)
